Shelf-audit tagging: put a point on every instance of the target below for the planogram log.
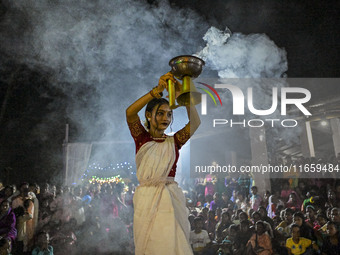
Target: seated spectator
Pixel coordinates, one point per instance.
(242, 236)
(5, 246)
(305, 231)
(241, 201)
(199, 238)
(42, 246)
(331, 199)
(265, 217)
(210, 224)
(310, 214)
(223, 224)
(64, 240)
(296, 244)
(284, 226)
(293, 201)
(335, 216)
(331, 244)
(260, 242)
(228, 244)
(321, 223)
(7, 222)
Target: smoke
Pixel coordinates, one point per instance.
(102, 55)
(243, 56)
(246, 61)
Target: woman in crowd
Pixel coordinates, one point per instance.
(7, 222)
(160, 218)
(260, 242)
(223, 224)
(331, 244)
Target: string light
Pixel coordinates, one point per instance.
(100, 174)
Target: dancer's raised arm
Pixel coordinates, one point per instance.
(133, 109)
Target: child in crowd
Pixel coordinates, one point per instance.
(199, 238)
(42, 245)
(296, 244)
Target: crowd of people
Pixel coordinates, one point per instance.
(226, 215)
(87, 219)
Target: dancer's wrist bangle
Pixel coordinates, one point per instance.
(155, 94)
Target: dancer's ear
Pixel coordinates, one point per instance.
(148, 115)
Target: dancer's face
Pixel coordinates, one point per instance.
(161, 117)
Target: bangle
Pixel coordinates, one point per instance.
(155, 94)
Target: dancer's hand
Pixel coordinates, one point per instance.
(163, 81)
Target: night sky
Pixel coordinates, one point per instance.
(84, 62)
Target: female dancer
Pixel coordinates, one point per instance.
(161, 223)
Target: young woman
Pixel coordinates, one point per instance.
(331, 243)
(161, 223)
(260, 242)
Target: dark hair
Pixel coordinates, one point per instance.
(289, 210)
(254, 213)
(294, 226)
(260, 222)
(23, 184)
(19, 211)
(197, 219)
(27, 203)
(333, 223)
(5, 201)
(233, 227)
(321, 215)
(151, 105)
(300, 215)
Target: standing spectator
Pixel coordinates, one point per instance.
(34, 190)
(286, 191)
(255, 199)
(20, 201)
(7, 222)
(78, 212)
(217, 202)
(22, 216)
(244, 183)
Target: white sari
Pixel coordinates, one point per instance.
(161, 223)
